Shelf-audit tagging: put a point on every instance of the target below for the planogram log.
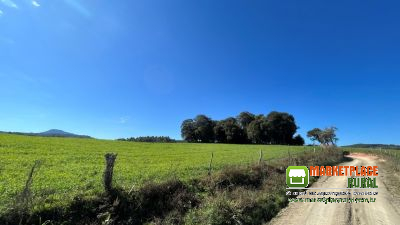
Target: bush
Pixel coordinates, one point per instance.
(234, 176)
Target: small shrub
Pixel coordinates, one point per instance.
(232, 177)
(156, 200)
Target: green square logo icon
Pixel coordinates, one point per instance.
(297, 176)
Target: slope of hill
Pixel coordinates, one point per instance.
(50, 133)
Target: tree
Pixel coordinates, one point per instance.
(325, 137)
(188, 130)
(204, 129)
(298, 140)
(329, 136)
(281, 127)
(257, 131)
(314, 135)
(275, 128)
(161, 139)
(219, 132)
(229, 131)
(245, 118)
(233, 132)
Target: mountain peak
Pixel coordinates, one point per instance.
(56, 131)
(60, 133)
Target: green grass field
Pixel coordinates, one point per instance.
(72, 167)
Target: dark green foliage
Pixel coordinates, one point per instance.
(325, 137)
(188, 130)
(275, 128)
(257, 131)
(298, 140)
(204, 129)
(219, 132)
(245, 118)
(229, 131)
(281, 127)
(153, 139)
(200, 129)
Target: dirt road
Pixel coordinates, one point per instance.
(386, 209)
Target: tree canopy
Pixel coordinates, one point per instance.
(161, 139)
(274, 128)
(325, 137)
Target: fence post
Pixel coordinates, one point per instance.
(109, 170)
(289, 157)
(261, 157)
(210, 165)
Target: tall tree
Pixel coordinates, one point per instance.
(325, 137)
(234, 133)
(257, 131)
(329, 136)
(188, 131)
(314, 135)
(204, 129)
(281, 127)
(245, 118)
(219, 132)
(229, 131)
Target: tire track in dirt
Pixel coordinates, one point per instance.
(384, 211)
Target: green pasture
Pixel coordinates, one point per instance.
(72, 167)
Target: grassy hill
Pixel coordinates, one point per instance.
(49, 133)
(74, 166)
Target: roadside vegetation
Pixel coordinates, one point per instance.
(389, 154)
(249, 193)
(73, 166)
(240, 180)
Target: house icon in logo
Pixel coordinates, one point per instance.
(297, 177)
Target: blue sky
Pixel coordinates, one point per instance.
(135, 68)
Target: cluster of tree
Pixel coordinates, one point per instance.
(162, 139)
(325, 137)
(274, 128)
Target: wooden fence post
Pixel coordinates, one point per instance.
(109, 170)
(210, 165)
(261, 157)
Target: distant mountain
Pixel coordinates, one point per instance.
(383, 146)
(50, 133)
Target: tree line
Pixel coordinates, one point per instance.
(161, 139)
(274, 128)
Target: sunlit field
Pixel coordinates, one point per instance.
(73, 167)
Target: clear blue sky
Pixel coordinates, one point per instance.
(114, 69)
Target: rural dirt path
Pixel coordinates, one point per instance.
(386, 209)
